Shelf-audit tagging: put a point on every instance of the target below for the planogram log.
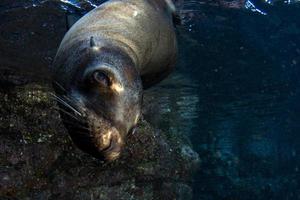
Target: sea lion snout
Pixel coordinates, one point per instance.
(107, 139)
(109, 143)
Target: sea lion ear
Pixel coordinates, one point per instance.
(92, 42)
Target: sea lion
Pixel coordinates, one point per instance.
(102, 65)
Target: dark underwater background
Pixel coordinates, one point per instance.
(234, 96)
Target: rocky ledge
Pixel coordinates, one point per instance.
(39, 161)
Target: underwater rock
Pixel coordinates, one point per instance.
(39, 161)
(29, 37)
(9, 80)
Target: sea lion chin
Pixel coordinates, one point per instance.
(102, 65)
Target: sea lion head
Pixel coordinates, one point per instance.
(99, 93)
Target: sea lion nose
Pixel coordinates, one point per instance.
(113, 145)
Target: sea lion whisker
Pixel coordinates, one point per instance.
(67, 99)
(69, 106)
(68, 113)
(59, 85)
(63, 102)
(70, 100)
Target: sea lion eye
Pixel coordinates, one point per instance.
(101, 78)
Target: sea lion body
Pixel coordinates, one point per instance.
(142, 28)
(102, 64)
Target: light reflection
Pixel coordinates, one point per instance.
(249, 5)
(173, 104)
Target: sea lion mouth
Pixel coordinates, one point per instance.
(91, 132)
(109, 144)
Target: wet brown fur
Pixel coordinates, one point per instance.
(137, 38)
